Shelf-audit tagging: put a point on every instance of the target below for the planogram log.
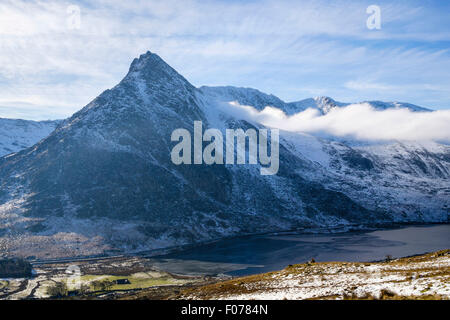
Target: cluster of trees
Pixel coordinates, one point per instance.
(102, 285)
(60, 289)
(15, 268)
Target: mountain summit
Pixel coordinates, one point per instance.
(104, 182)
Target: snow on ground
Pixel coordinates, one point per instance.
(420, 276)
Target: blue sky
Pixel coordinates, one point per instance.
(293, 49)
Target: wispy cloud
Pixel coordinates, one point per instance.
(293, 49)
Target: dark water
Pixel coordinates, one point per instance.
(263, 253)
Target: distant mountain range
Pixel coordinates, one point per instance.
(103, 180)
(16, 134)
(259, 100)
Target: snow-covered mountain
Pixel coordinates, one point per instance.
(245, 96)
(103, 181)
(16, 134)
(259, 100)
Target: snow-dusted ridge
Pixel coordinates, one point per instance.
(17, 134)
(260, 100)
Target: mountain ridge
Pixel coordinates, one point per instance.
(18, 134)
(259, 100)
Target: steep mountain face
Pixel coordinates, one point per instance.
(104, 180)
(16, 135)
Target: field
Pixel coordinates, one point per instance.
(96, 279)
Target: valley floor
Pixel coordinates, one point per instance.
(107, 278)
(419, 277)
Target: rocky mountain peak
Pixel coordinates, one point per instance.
(324, 100)
(155, 72)
(146, 61)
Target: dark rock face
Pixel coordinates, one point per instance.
(109, 164)
(357, 161)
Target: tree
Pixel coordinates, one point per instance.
(102, 285)
(84, 289)
(58, 290)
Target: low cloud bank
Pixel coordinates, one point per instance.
(358, 121)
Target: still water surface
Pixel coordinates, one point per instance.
(263, 253)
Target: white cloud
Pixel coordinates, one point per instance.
(359, 121)
(366, 85)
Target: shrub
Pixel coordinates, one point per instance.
(58, 290)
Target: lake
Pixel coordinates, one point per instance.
(264, 253)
